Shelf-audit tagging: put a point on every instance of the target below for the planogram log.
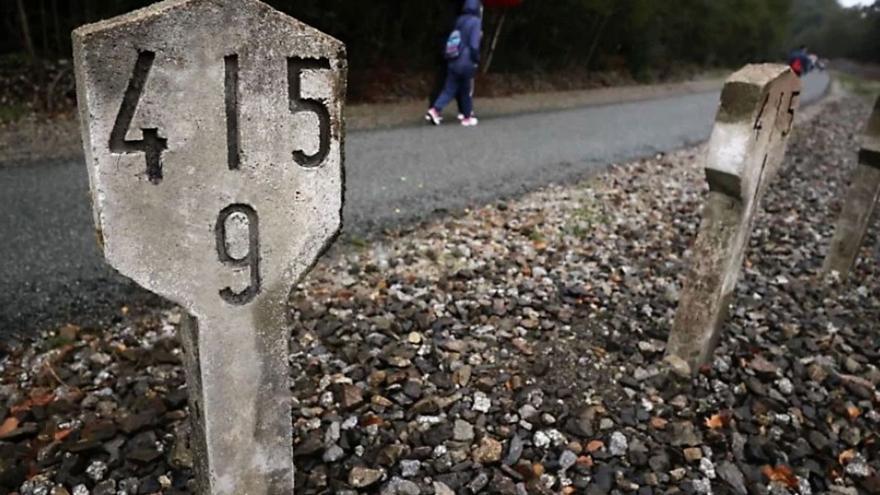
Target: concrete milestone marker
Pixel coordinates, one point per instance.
(747, 146)
(859, 203)
(213, 136)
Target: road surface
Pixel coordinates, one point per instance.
(52, 270)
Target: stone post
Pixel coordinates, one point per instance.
(746, 148)
(213, 136)
(859, 203)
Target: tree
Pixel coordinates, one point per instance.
(26, 31)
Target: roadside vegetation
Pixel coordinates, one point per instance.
(393, 45)
(859, 85)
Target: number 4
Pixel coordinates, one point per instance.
(152, 145)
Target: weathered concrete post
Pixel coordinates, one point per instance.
(213, 135)
(747, 145)
(859, 203)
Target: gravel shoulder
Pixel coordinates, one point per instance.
(515, 348)
(37, 141)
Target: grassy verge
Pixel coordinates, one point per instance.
(857, 85)
(13, 112)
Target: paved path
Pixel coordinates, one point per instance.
(52, 270)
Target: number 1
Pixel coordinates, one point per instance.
(233, 138)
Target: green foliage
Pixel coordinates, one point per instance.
(834, 31)
(12, 112)
(860, 86)
(645, 34)
(645, 37)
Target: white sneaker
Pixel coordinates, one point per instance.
(469, 122)
(433, 116)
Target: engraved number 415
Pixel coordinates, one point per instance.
(152, 145)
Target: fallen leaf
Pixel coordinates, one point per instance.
(69, 331)
(538, 469)
(60, 435)
(595, 446)
(718, 421)
(515, 382)
(524, 470)
(42, 399)
(762, 365)
(522, 346)
(846, 457)
(39, 397)
(8, 426)
(853, 412)
(658, 423)
(781, 474)
(714, 422)
(343, 294)
(372, 420)
(20, 408)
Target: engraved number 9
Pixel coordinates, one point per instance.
(230, 249)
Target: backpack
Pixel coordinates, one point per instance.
(797, 66)
(453, 45)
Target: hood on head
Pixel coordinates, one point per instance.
(472, 7)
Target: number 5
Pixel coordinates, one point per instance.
(295, 68)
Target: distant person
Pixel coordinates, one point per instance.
(463, 56)
(799, 61)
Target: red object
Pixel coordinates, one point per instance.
(501, 4)
(797, 66)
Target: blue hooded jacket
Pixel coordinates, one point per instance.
(470, 24)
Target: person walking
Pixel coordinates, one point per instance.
(463, 54)
(799, 61)
(448, 15)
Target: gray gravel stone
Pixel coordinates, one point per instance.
(618, 445)
(567, 460)
(463, 431)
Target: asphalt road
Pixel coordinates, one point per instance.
(51, 270)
